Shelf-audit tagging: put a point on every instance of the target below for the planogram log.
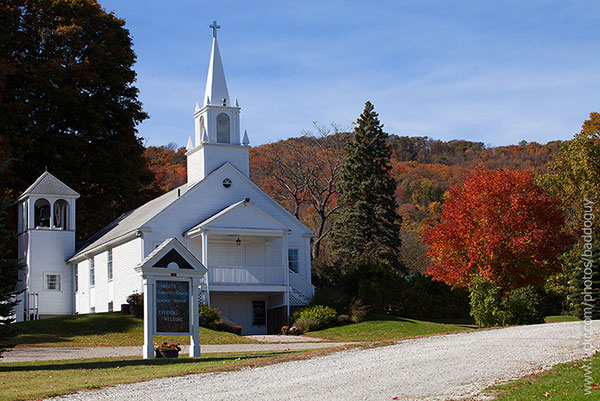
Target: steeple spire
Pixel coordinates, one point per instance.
(216, 87)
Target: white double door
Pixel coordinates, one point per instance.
(227, 256)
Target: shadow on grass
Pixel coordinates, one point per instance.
(99, 364)
(63, 328)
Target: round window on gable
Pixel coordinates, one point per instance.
(226, 182)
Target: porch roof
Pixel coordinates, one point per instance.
(240, 218)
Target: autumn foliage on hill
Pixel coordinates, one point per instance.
(501, 226)
(301, 173)
(168, 164)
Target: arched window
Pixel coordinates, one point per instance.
(201, 127)
(223, 128)
(25, 218)
(42, 213)
(61, 214)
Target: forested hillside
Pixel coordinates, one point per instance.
(301, 174)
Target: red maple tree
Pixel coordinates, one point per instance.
(500, 225)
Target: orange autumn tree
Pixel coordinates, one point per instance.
(499, 225)
(168, 164)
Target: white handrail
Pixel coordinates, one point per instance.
(304, 286)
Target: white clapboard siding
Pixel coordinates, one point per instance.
(48, 250)
(125, 279)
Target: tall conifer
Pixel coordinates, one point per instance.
(368, 225)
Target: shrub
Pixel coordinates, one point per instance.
(224, 325)
(208, 315)
(522, 306)
(485, 303)
(357, 310)
(136, 304)
(305, 324)
(322, 316)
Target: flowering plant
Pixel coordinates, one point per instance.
(167, 347)
(238, 330)
(285, 330)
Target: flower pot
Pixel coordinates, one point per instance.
(167, 353)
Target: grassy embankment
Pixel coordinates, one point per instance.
(115, 329)
(104, 330)
(386, 328)
(561, 318)
(564, 382)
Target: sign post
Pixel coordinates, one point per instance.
(171, 295)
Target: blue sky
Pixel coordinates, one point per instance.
(494, 72)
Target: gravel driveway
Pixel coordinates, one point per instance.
(456, 366)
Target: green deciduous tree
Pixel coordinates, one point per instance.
(68, 103)
(368, 224)
(575, 177)
(575, 173)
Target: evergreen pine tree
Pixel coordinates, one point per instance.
(9, 271)
(368, 225)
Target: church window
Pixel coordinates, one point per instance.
(223, 130)
(61, 214)
(110, 306)
(92, 272)
(226, 182)
(42, 213)
(293, 260)
(109, 264)
(76, 278)
(52, 282)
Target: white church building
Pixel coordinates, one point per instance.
(256, 252)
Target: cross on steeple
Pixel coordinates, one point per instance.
(214, 27)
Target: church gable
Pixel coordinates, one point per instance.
(241, 216)
(173, 257)
(171, 254)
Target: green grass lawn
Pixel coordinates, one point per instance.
(104, 330)
(383, 328)
(37, 380)
(561, 318)
(563, 382)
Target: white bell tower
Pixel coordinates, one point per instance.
(217, 125)
(46, 238)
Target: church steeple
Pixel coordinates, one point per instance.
(216, 87)
(217, 125)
